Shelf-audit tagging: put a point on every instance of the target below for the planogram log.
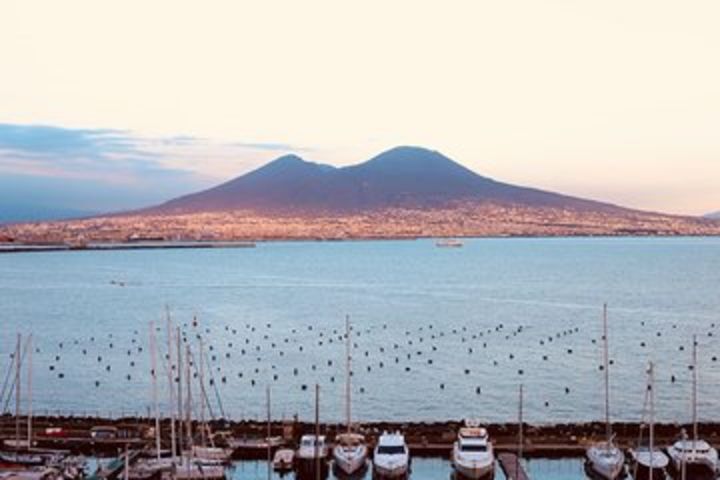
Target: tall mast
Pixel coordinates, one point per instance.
(201, 378)
(269, 434)
(348, 365)
(694, 392)
(608, 432)
(171, 385)
(179, 389)
(188, 406)
(17, 389)
(29, 394)
(153, 372)
(317, 431)
(520, 429)
(651, 387)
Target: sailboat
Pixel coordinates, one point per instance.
(350, 451)
(697, 457)
(648, 462)
(312, 455)
(605, 460)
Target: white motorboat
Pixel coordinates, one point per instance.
(695, 455)
(350, 451)
(312, 456)
(472, 456)
(449, 243)
(647, 461)
(283, 460)
(391, 458)
(698, 458)
(604, 459)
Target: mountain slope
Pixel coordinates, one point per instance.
(714, 215)
(408, 177)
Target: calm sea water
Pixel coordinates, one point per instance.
(441, 333)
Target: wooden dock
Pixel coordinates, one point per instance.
(512, 467)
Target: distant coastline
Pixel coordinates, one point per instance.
(184, 245)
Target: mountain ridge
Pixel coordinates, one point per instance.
(404, 176)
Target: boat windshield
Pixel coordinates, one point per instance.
(312, 443)
(473, 448)
(391, 449)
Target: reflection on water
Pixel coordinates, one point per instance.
(437, 469)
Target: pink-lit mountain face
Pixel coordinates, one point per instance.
(406, 177)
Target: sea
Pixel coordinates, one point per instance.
(436, 333)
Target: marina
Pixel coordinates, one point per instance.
(209, 392)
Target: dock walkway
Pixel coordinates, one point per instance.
(512, 467)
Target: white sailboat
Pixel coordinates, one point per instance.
(649, 462)
(350, 451)
(695, 456)
(473, 456)
(605, 460)
(311, 458)
(391, 459)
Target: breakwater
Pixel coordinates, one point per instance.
(424, 438)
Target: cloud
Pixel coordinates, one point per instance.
(113, 169)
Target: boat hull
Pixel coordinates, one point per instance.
(308, 468)
(476, 472)
(602, 463)
(350, 462)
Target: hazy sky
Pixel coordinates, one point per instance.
(615, 100)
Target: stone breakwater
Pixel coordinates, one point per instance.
(425, 439)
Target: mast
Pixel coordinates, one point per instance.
(348, 365)
(608, 432)
(520, 430)
(179, 390)
(29, 398)
(694, 393)
(201, 378)
(317, 431)
(269, 434)
(171, 386)
(651, 381)
(188, 403)
(153, 366)
(17, 389)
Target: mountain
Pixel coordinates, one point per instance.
(713, 216)
(409, 177)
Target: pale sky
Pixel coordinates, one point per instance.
(617, 100)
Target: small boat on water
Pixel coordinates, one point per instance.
(350, 451)
(449, 243)
(391, 459)
(192, 469)
(472, 455)
(253, 447)
(211, 454)
(311, 459)
(283, 460)
(694, 456)
(648, 462)
(605, 460)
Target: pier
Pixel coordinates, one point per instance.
(512, 467)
